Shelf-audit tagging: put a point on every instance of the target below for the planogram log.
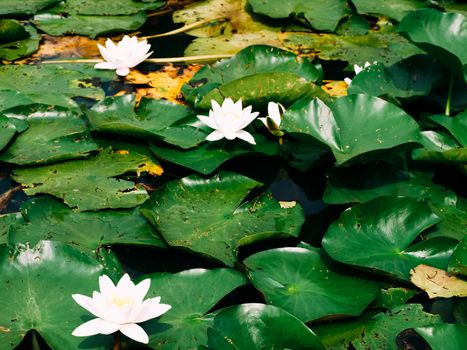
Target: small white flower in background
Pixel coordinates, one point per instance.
(358, 69)
(119, 308)
(273, 120)
(126, 54)
(229, 120)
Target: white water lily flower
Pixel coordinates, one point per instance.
(126, 54)
(273, 120)
(357, 69)
(229, 120)
(119, 308)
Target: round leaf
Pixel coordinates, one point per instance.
(258, 326)
(298, 281)
(7, 131)
(210, 216)
(440, 335)
(21, 7)
(378, 234)
(38, 283)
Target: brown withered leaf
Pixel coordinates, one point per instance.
(165, 83)
(335, 88)
(438, 283)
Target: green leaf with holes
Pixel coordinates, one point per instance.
(192, 294)
(378, 235)
(38, 285)
(299, 281)
(91, 184)
(210, 216)
(17, 40)
(47, 219)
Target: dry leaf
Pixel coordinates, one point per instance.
(438, 283)
(165, 83)
(335, 88)
(287, 204)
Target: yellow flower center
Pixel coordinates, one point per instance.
(121, 301)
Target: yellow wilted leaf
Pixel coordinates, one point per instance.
(438, 283)
(150, 168)
(287, 204)
(165, 83)
(335, 88)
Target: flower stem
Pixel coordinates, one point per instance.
(186, 28)
(447, 111)
(187, 59)
(116, 342)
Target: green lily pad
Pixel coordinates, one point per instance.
(21, 7)
(457, 125)
(54, 134)
(389, 298)
(375, 331)
(47, 219)
(453, 224)
(7, 131)
(439, 336)
(22, 85)
(259, 326)
(106, 8)
(245, 70)
(413, 76)
(7, 221)
(377, 235)
(209, 156)
(192, 294)
(385, 48)
(361, 183)
(458, 262)
(352, 125)
(57, 24)
(173, 123)
(298, 281)
(209, 216)
(396, 9)
(439, 147)
(322, 15)
(16, 40)
(90, 184)
(442, 35)
(38, 286)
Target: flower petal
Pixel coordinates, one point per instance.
(123, 71)
(141, 290)
(207, 121)
(85, 302)
(348, 81)
(247, 119)
(135, 332)
(274, 112)
(151, 308)
(95, 326)
(264, 121)
(215, 135)
(246, 136)
(106, 286)
(105, 65)
(125, 286)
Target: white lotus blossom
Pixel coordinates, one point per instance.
(357, 69)
(126, 54)
(273, 120)
(229, 120)
(119, 308)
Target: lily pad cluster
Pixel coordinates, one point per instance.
(322, 235)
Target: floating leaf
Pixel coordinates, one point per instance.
(437, 283)
(208, 156)
(375, 331)
(298, 281)
(45, 218)
(280, 71)
(378, 234)
(21, 7)
(54, 134)
(90, 184)
(7, 131)
(258, 326)
(352, 125)
(57, 24)
(192, 294)
(389, 298)
(173, 123)
(457, 125)
(439, 147)
(440, 335)
(17, 40)
(38, 285)
(442, 35)
(210, 216)
(458, 262)
(322, 15)
(105, 8)
(396, 9)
